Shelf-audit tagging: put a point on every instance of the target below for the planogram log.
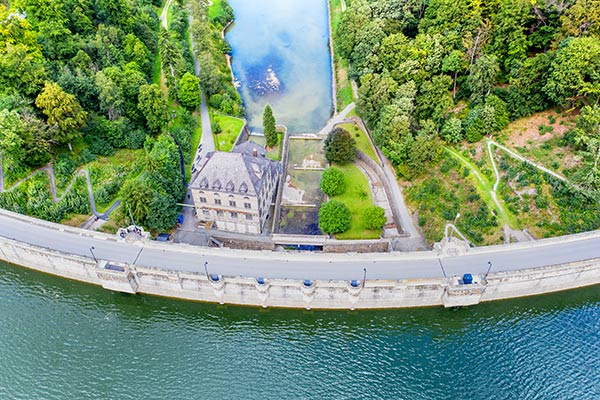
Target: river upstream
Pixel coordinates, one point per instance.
(65, 340)
(281, 57)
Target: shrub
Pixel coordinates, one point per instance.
(340, 146)
(334, 217)
(374, 218)
(333, 182)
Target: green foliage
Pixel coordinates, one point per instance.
(65, 115)
(334, 217)
(333, 182)
(269, 127)
(340, 147)
(452, 131)
(374, 218)
(153, 105)
(189, 91)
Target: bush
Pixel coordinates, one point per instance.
(340, 146)
(333, 182)
(374, 218)
(334, 217)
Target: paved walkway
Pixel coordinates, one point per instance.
(377, 189)
(336, 119)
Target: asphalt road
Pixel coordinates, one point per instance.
(299, 265)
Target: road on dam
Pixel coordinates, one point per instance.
(295, 265)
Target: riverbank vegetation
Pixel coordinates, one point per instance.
(211, 49)
(435, 73)
(80, 92)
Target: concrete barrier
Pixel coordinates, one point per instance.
(318, 294)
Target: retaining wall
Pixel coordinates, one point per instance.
(319, 294)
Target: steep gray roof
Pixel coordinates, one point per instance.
(235, 172)
(248, 148)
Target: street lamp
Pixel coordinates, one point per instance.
(206, 269)
(93, 255)
(489, 268)
(364, 277)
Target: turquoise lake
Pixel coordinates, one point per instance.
(281, 57)
(66, 340)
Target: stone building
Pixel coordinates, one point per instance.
(234, 191)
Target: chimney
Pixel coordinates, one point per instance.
(254, 152)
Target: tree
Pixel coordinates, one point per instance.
(452, 130)
(11, 142)
(189, 91)
(162, 212)
(64, 113)
(269, 126)
(340, 146)
(374, 218)
(153, 105)
(333, 182)
(482, 77)
(136, 195)
(574, 71)
(334, 217)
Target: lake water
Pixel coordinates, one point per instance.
(281, 57)
(66, 340)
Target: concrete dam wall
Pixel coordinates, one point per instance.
(309, 294)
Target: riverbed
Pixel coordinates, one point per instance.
(281, 57)
(61, 339)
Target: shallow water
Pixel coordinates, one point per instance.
(65, 340)
(281, 57)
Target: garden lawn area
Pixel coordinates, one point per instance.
(357, 198)
(230, 129)
(362, 141)
(213, 9)
(344, 89)
(275, 152)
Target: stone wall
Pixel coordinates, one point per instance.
(320, 294)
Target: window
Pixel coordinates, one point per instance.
(219, 213)
(247, 205)
(202, 199)
(205, 211)
(234, 215)
(218, 201)
(249, 217)
(231, 203)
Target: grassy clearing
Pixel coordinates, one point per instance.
(213, 10)
(107, 175)
(230, 130)
(362, 141)
(449, 189)
(357, 198)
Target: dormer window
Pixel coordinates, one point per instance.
(243, 188)
(217, 185)
(204, 183)
(230, 186)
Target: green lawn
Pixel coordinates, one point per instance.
(362, 141)
(357, 197)
(275, 152)
(230, 129)
(213, 9)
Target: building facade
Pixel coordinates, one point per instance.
(234, 191)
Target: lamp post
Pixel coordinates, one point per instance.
(489, 268)
(364, 277)
(206, 269)
(93, 255)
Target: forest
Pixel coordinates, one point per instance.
(85, 80)
(435, 72)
